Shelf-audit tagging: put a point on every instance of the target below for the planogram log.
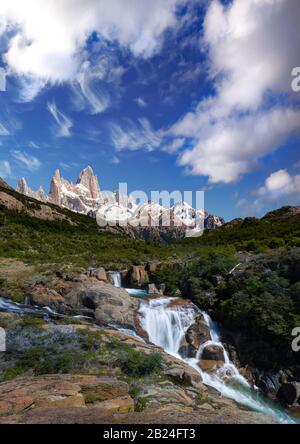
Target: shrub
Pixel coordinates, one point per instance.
(135, 363)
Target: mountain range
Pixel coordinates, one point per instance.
(85, 197)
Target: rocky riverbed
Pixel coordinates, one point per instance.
(79, 370)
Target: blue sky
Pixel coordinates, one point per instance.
(174, 95)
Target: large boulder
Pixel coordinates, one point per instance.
(138, 275)
(100, 274)
(112, 305)
(197, 334)
(213, 352)
(289, 393)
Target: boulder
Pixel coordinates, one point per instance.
(289, 393)
(197, 334)
(45, 297)
(213, 353)
(112, 305)
(210, 365)
(269, 383)
(101, 274)
(138, 275)
(152, 289)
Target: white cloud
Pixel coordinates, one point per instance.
(47, 39)
(5, 169)
(250, 55)
(280, 184)
(115, 160)
(34, 145)
(280, 187)
(26, 160)
(141, 102)
(3, 131)
(64, 123)
(135, 136)
(173, 146)
(231, 147)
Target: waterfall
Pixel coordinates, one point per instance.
(117, 281)
(166, 327)
(116, 278)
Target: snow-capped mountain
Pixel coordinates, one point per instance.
(86, 197)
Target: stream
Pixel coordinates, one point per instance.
(166, 327)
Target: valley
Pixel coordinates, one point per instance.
(195, 357)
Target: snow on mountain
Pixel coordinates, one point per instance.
(85, 197)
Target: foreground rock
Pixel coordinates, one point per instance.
(53, 392)
(81, 399)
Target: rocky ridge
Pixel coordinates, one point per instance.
(147, 219)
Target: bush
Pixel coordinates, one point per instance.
(137, 364)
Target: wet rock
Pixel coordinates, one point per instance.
(153, 290)
(196, 335)
(209, 365)
(213, 353)
(289, 393)
(270, 384)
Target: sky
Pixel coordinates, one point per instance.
(164, 95)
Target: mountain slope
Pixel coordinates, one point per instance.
(85, 197)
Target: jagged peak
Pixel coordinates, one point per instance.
(22, 186)
(89, 180)
(22, 181)
(86, 172)
(57, 174)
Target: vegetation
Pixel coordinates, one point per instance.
(262, 301)
(31, 349)
(77, 241)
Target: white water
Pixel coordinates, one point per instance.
(116, 278)
(166, 327)
(137, 292)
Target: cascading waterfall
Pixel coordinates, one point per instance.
(117, 281)
(166, 327)
(116, 278)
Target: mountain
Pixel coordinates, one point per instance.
(86, 197)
